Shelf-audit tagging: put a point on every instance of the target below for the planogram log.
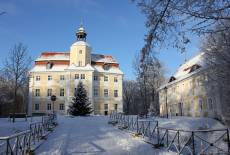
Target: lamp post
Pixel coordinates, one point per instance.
(53, 99)
(166, 104)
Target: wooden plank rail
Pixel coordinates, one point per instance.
(192, 142)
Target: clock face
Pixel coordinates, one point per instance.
(106, 66)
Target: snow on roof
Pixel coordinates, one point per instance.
(88, 67)
(102, 58)
(184, 69)
(53, 56)
(113, 70)
(42, 68)
(81, 43)
(46, 56)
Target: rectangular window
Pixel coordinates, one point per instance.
(48, 106)
(62, 77)
(36, 106)
(106, 93)
(37, 92)
(115, 79)
(82, 76)
(49, 77)
(115, 107)
(95, 78)
(80, 51)
(62, 92)
(79, 63)
(115, 93)
(38, 78)
(76, 76)
(49, 92)
(106, 78)
(106, 107)
(61, 107)
(95, 92)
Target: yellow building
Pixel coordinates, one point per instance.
(58, 73)
(190, 92)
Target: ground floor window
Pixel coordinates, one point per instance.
(36, 106)
(48, 106)
(106, 107)
(115, 107)
(61, 107)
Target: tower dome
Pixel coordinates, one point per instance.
(81, 34)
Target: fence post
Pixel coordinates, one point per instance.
(167, 137)
(7, 146)
(178, 138)
(137, 124)
(193, 143)
(158, 136)
(228, 140)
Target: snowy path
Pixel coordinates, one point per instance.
(92, 135)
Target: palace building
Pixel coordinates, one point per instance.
(191, 92)
(58, 73)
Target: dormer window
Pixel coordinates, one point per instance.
(106, 67)
(194, 67)
(172, 78)
(49, 65)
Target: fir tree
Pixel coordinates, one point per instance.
(80, 105)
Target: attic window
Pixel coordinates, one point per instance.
(194, 67)
(172, 78)
(49, 65)
(106, 67)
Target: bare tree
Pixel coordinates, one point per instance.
(16, 70)
(129, 95)
(217, 54)
(149, 77)
(171, 22)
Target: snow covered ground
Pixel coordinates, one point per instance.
(190, 123)
(93, 135)
(8, 128)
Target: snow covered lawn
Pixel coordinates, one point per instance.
(93, 135)
(190, 123)
(8, 128)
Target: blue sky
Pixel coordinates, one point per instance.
(114, 27)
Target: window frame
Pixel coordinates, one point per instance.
(37, 92)
(106, 93)
(49, 77)
(76, 76)
(115, 79)
(95, 92)
(62, 77)
(36, 107)
(82, 76)
(38, 78)
(49, 106)
(62, 106)
(49, 92)
(106, 78)
(115, 93)
(62, 92)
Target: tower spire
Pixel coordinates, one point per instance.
(81, 34)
